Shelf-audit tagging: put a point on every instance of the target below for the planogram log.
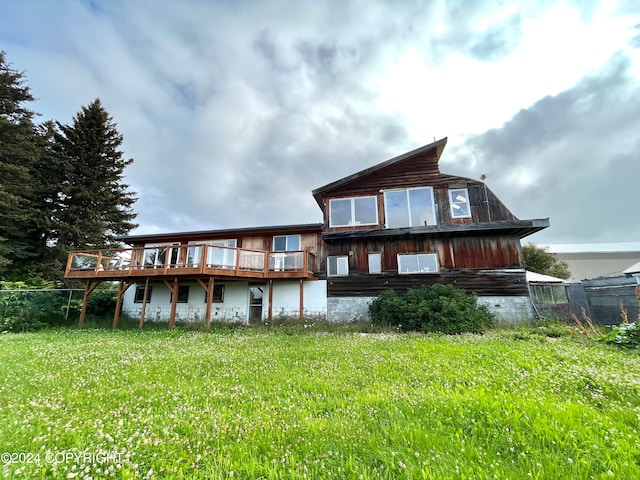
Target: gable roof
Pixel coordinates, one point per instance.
(437, 146)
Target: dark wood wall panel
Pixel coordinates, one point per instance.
(480, 252)
(481, 283)
(485, 206)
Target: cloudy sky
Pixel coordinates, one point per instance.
(234, 110)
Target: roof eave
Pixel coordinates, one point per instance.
(244, 231)
(520, 228)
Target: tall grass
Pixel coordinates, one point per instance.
(270, 404)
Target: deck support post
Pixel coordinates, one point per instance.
(301, 301)
(270, 310)
(122, 287)
(88, 289)
(174, 301)
(210, 286)
(145, 298)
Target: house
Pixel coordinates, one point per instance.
(398, 224)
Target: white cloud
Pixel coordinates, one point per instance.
(235, 111)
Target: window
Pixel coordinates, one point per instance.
(375, 263)
(410, 207)
(183, 294)
(552, 294)
(139, 296)
(338, 266)
(459, 201)
(353, 211)
(218, 256)
(286, 243)
(218, 294)
(155, 255)
(417, 263)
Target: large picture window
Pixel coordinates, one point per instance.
(459, 201)
(410, 207)
(155, 255)
(345, 212)
(417, 263)
(224, 258)
(338, 266)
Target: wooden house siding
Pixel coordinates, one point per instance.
(484, 204)
(481, 283)
(466, 253)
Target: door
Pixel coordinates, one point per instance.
(256, 295)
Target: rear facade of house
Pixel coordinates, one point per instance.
(399, 224)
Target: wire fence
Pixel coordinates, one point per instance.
(30, 309)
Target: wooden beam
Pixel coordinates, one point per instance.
(270, 314)
(122, 287)
(210, 287)
(301, 301)
(89, 288)
(144, 303)
(174, 302)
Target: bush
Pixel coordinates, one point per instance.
(625, 335)
(436, 308)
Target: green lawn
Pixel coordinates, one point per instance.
(288, 403)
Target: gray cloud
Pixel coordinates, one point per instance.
(234, 111)
(579, 149)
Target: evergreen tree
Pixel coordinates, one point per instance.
(21, 241)
(94, 205)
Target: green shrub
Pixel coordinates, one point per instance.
(624, 335)
(436, 308)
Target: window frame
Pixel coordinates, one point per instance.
(379, 256)
(352, 220)
(218, 294)
(434, 210)
(452, 203)
(183, 294)
(159, 250)
(287, 237)
(417, 255)
(340, 259)
(138, 296)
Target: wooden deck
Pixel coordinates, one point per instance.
(194, 261)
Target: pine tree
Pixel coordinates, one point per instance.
(21, 241)
(94, 206)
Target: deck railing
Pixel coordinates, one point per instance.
(193, 259)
